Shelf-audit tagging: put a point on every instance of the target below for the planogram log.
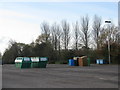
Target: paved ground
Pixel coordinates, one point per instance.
(0, 76)
(61, 76)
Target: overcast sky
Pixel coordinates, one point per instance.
(21, 21)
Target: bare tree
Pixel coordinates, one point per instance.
(85, 35)
(110, 30)
(65, 34)
(113, 33)
(56, 40)
(76, 34)
(118, 37)
(103, 37)
(56, 36)
(96, 29)
(45, 30)
(41, 38)
(59, 34)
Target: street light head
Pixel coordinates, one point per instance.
(107, 21)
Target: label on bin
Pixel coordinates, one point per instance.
(43, 59)
(35, 59)
(18, 60)
(26, 59)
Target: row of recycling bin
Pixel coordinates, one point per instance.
(31, 62)
(79, 61)
(101, 61)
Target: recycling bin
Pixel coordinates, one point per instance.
(71, 62)
(26, 62)
(43, 62)
(88, 61)
(76, 61)
(83, 61)
(97, 61)
(34, 62)
(18, 61)
(23, 62)
(100, 61)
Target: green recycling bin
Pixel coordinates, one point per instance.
(34, 62)
(23, 62)
(43, 62)
(88, 61)
(18, 62)
(76, 61)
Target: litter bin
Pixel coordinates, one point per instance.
(43, 62)
(34, 62)
(23, 62)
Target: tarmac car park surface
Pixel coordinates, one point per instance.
(61, 76)
(0, 76)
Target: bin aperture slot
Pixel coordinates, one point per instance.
(43, 59)
(35, 59)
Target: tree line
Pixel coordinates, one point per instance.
(60, 42)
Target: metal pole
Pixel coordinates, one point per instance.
(109, 50)
(109, 43)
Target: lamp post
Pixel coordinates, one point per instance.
(108, 43)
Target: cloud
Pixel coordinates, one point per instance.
(10, 13)
(18, 31)
(3, 39)
(16, 28)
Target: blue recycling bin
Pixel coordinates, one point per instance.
(100, 61)
(71, 62)
(97, 61)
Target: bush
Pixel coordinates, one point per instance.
(63, 62)
(51, 62)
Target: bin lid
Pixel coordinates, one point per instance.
(35, 59)
(99, 59)
(83, 57)
(19, 59)
(75, 58)
(71, 59)
(43, 59)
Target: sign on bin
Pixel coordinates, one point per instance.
(18, 59)
(35, 59)
(43, 59)
(26, 59)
